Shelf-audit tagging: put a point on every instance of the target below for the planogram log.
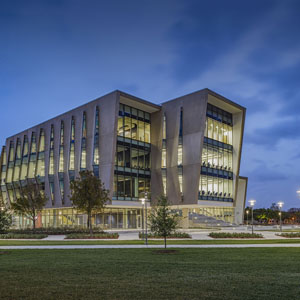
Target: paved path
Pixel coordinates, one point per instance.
(150, 246)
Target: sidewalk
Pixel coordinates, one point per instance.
(149, 246)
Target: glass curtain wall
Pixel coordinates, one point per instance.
(9, 175)
(3, 175)
(72, 151)
(216, 180)
(180, 151)
(96, 145)
(51, 165)
(32, 157)
(132, 160)
(61, 163)
(164, 154)
(24, 164)
(83, 144)
(17, 169)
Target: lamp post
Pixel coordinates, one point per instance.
(144, 209)
(252, 203)
(280, 204)
(143, 233)
(247, 212)
(146, 218)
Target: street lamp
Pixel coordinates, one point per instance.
(252, 203)
(247, 212)
(144, 203)
(280, 204)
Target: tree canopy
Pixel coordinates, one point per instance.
(88, 194)
(30, 202)
(162, 221)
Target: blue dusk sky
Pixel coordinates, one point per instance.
(58, 54)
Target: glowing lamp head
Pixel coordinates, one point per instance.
(280, 204)
(143, 201)
(252, 202)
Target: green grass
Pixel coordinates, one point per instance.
(151, 242)
(143, 274)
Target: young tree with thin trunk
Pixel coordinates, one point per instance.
(89, 195)
(30, 202)
(5, 217)
(162, 221)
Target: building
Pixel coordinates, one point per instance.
(188, 148)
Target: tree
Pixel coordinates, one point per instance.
(30, 202)
(88, 194)
(162, 221)
(5, 218)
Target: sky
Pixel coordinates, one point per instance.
(58, 54)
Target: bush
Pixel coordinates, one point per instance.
(84, 236)
(5, 220)
(175, 235)
(235, 235)
(55, 230)
(290, 234)
(22, 236)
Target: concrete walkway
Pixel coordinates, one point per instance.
(150, 246)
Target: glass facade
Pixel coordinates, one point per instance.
(32, 157)
(164, 154)
(83, 144)
(72, 151)
(180, 151)
(216, 180)
(132, 160)
(111, 218)
(40, 170)
(24, 164)
(3, 176)
(9, 174)
(61, 162)
(17, 169)
(96, 156)
(51, 166)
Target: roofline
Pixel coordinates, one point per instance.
(139, 99)
(212, 93)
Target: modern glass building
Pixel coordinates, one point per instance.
(188, 148)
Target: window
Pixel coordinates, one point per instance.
(40, 171)
(32, 157)
(83, 144)
(96, 145)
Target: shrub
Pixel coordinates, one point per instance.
(84, 236)
(235, 235)
(22, 236)
(175, 235)
(56, 230)
(290, 234)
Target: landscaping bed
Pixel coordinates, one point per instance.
(56, 231)
(22, 236)
(289, 234)
(235, 235)
(176, 235)
(94, 236)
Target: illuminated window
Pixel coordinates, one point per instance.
(17, 167)
(40, 171)
(61, 149)
(83, 144)
(72, 151)
(32, 157)
(24, 164)
(96, 145)
(51, 152)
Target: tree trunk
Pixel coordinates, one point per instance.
(165, 242)
(33, 223)
(90, 223)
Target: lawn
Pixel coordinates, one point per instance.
(265, 273)
(151, 242)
